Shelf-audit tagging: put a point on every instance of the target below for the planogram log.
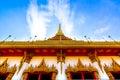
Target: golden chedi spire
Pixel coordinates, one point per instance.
(59, 35)
(59, 32)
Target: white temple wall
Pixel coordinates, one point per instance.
(72, 60)
(49, 60)
(11, 60)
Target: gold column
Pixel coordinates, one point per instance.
(69, 76)
(61, 58)
(39, 77)
(96, 75)
(25, 76)
(9, 77)
(93, 57)
(110, 76)
(26, 58)
(53, 76)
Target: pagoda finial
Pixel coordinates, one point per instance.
(59, 32)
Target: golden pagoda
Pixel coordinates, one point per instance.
(59, 58)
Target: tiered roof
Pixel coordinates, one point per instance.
(59, 35)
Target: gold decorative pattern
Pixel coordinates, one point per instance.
(79, 67)
(61, 58)
(93, 57)
(115, 67)
(26, 58)
(41, 67)
(4, 68)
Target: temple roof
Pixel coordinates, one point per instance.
(59, 35)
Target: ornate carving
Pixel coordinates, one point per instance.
(80, 67)
(93, 56)
(42, 67)
(115, 67)
(4, 68)
(61, 58)
(26, 58)
(11, 72)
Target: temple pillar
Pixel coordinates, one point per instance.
(96, 63)
(61, 66)
(61, 76)
(39, 77)
(53, 76)
(96, 75)
(82, 76)
(25, 76)
(9, 77)
(23, 65)
(110, 76)
(69, 76)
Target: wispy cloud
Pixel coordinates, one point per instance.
(102, 30)
(61, 10)
(38, 16)
(37, 20)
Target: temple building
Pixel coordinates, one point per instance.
(59, 58)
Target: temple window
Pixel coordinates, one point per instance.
(3, 76)
(76, 76)
(33, 77)
(82, 76)
(39, 76)
(116, 75)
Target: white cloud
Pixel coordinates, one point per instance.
(102, 30)
(38, 18)
(61, 10)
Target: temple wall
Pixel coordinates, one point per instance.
(50, 60)
(53, 60)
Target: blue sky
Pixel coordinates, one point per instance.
(95, 19)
